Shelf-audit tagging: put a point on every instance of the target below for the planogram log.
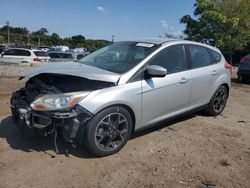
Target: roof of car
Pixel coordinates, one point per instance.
(59, 52)
(19, 49)
(160, 41)
(35, 50)
(156, 41)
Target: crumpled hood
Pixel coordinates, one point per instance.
(74, 69)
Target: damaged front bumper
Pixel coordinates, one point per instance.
(70, 123)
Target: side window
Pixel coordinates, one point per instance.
(215, 56)
(10, 52)
(19, 52)
(199, 56)
(171, 58)
(27, 53)
(136, 77)
(54, 55)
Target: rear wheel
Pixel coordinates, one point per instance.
(218, 101)
(241, 79)
(108, 131)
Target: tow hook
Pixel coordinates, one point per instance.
(24, 115)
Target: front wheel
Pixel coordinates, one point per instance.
(108, 131)
(218, 101)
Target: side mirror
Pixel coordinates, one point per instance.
(155, 71)
(2, 54)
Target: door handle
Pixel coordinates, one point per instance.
(214, 72)
(184, 80)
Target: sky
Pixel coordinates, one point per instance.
(98, 19)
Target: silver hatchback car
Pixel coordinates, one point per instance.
(119, 89)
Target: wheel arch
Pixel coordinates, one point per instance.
(227, 87)
(130, 110)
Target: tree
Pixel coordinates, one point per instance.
(77, 41)
(21, 36)
(173, 35)
(55, 39)
(220, 23)
(1, 39)
(42, 32)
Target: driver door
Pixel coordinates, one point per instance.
(164, 97)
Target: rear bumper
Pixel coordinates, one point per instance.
(71, 123)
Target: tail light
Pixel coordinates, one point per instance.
(37, 59)
(228, 66)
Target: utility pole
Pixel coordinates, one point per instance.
(8, 23)
(38, 41)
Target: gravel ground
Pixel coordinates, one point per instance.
(181, 153)
(14, 70)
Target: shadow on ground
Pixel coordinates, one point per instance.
(9, 131)
(235, 81)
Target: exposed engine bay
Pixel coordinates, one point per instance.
(69, 122)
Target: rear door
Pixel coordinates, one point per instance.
(204, 73)
(25, 56)
(166, 96)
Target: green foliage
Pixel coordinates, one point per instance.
(55, 39)
(21, 35)
(1, 39)
(224, 24)
(41, 32)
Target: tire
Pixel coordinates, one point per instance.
(218, 101)
(108, 131)
(241, 79)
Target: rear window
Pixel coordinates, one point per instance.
(215, 56)
(41, 53)
(199, 56)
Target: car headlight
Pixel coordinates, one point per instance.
(58, 101)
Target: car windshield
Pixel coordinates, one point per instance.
(61, 55)
(119, 57)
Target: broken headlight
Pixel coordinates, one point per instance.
(58, 101)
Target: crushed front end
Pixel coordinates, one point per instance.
(70, 122)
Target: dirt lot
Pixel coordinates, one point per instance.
(179, 153)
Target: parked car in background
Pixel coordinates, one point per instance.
(244, 58)
(59, 48)
(244, 70)
(78, 56)
(61, 56)
(44, 48)
(42, 56)
(3, 47)
(82, 51)
(120, 89)
(19, 56)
